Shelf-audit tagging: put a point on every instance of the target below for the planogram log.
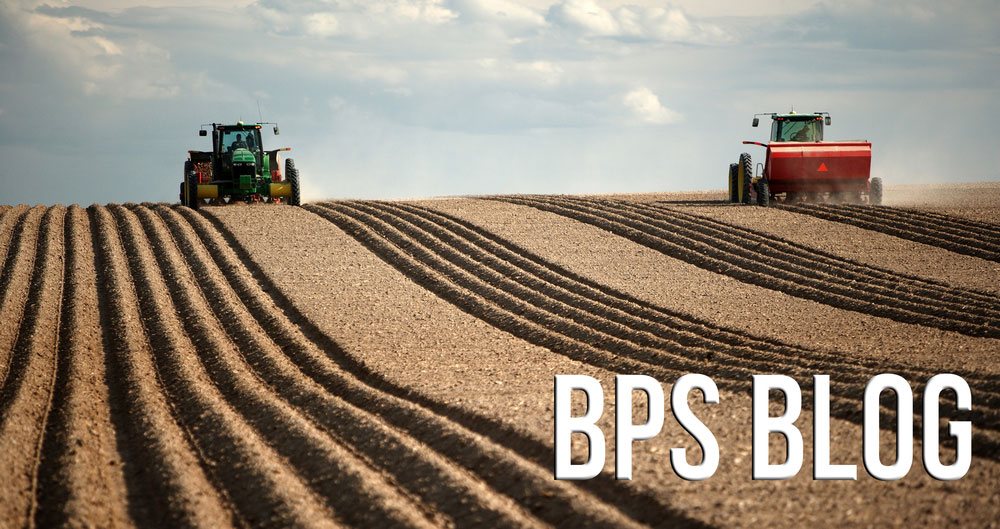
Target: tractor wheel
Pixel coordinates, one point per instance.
(734, 180)
(292, 176)
(763, 193)
(188, 169)
(192, 181)
(875, 192)
(746, 164)
(189, 187)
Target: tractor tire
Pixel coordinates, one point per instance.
(292, 176)
(186, 184)
(192, 182)
(746, 164)
(875, 192)
(734, 180)
(763, 193)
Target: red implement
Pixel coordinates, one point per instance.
(818, 166)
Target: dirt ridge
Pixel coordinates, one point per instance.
(919, 287)
(26, 393)
(302, 395)
(15, 281)
(968, 231)
(545, 278)
(164, 471)
(662, 237)
(505, 470)
(79, 477)
(157, 366)
(978, 242)
(568, 330)
(802, 266)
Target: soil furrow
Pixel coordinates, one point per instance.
(914, 223)
(559, 328)
(15, 284)
(527, 321)
(165, 479)
(987, 228)
(733, 363)
(80, 477)
(425, 475)
(530, 484)
(757, 357)
(288, 399)
(25, 398)
(759, 273)
(901, 230)
(564, 302)
(435, 485)
(553, 319)
(763, 356)
(643, 309)
(922, 288)
(259, 482)
(985, 237)
(803, 263)
(9, 223)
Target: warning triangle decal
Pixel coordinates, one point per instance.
(822, 167)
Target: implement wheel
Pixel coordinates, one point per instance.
(292, 175)
(763, 193)
(875, 192)
(746, 167)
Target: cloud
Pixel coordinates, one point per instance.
(894, 25)
(503, 12)
(669, 24)
(473, 96)
(321, 24)
(353, 18)
(585, 15)
(645, 106)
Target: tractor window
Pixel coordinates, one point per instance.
(797, 130)
(241, 139)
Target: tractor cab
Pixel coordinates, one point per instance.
(239, 136)
(797, 127)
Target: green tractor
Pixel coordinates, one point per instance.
(238, 169)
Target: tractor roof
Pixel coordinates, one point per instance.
(239, 126)
(795, 115)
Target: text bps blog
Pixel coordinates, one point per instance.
(763, 426)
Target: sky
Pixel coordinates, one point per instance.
(100, 100)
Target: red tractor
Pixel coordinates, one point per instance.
(800, 167)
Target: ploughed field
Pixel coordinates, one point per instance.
(391, 363)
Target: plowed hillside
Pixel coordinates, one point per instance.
(390, 364)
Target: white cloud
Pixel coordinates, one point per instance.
(645, 106)
(321, 24)
(669, 24)
(474, 95)
(585, 15)
(110, 48)
(503, 12)
(354, 18)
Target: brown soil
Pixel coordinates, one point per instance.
(391, 363)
